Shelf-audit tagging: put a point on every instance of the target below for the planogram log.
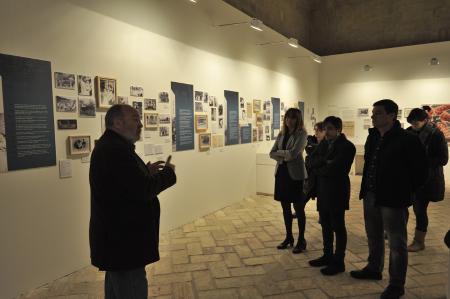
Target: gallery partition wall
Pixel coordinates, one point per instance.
(171, 61)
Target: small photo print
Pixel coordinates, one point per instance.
(249, 110)
(213, 114)
(138, 106)
(85, 86)
(87, 107)
(363, 112)
(164, 131)
(79, 145)
(267, 129)
(242, 103)
(106, 92)
(211, 100)
(201, 122)
(122, 100)
(67, 124)
(64, 81)
(204, 141)
(163, 97)
(220, 123)
(400, 114)
(198, 96)
(151, 121)
(255, 135)
(149, 104)
(136, 91)
(65, 104)
(220, 110)
(256, 105)
(198, 106)
(164, 119)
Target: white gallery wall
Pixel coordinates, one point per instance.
(401, 74)
(43, 219)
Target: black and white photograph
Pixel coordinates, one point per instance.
(259, 118)
(212, 101)
(363, 112)
(164, 131)
(400, 114)
(79, 145)
(136, 91)
(260, 133)
(106, 91)
(67, 124)
(138, 106)
(87, 107)
(282, 106)
(255, 135)
(213, 114)
(204, 142)
(149, 104)
(267, 137)
(243, 115)
(220, 110)
(122, 100)
(164, 119)
(198, 96)
(267, 129)
(151, 121)
(64, 81)
(205, 97)
(163, 97)
(266, 117)
(220, 123)
(66, 104)
(242, 103)
(85, 86)
(249, 110)
(256, 106)
(201, 122)
(198, 106)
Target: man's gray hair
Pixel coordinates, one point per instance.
(113, 113)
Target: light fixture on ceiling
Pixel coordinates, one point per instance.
(313, 57)
(367, 68)
(254, 23)
(434, 61)
(193, 1)
(293, 42)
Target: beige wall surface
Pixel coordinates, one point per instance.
(401, 74)
(43, 219)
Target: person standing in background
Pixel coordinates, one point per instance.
(290, 172)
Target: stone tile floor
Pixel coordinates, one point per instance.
(232, 253)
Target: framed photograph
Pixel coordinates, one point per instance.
(151, 121)
(198, 106)
(136, 91)
(138, 106)
(213, 114)
(260, 133)
(164, 119)
(242, 103)
(149, 104)
(256, 106)
(64, 81)
(204, 142)
(362, 112)
(164, 131)
(66, 104)
(163, 97)
(221, 123)
(105, 92)
(122, 100)
(201, 122)
(218, 141)
(255, 135)
(198, 96)
(259, 118)
(249, 110)
(220, 110)
(67, 124)
(79, 145)
(87, 107)
(85, 86)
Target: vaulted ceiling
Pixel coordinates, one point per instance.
(329, 27)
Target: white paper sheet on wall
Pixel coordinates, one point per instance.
(65, 169)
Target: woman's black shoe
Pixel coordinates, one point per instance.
(287, 242)
(301, 245)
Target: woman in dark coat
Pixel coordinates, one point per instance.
(331, 163)
(433, 190)
(290, 172)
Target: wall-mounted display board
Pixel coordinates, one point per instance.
(232, 130)
(276, 110)
(246, 134)
(26, 114)
(183, 133)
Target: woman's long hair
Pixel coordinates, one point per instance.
(293, 113)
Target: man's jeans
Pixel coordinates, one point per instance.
(130, 284)
(392, 220)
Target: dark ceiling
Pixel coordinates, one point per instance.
(328, 27)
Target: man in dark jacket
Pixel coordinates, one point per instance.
(436, 149)
(125, 211)
(331, 163)
(395, 167)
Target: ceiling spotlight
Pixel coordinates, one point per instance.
(316, 58)
(193, 1)
(367, 68)
(434, 61)
(293, 42)
(256, 24)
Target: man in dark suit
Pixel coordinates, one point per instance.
(125, 211)
(394, 168)
(331, 163)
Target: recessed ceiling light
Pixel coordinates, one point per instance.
(193, 1)
(316, 59)
(434, 61)
(256, 24)
(293, 42)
